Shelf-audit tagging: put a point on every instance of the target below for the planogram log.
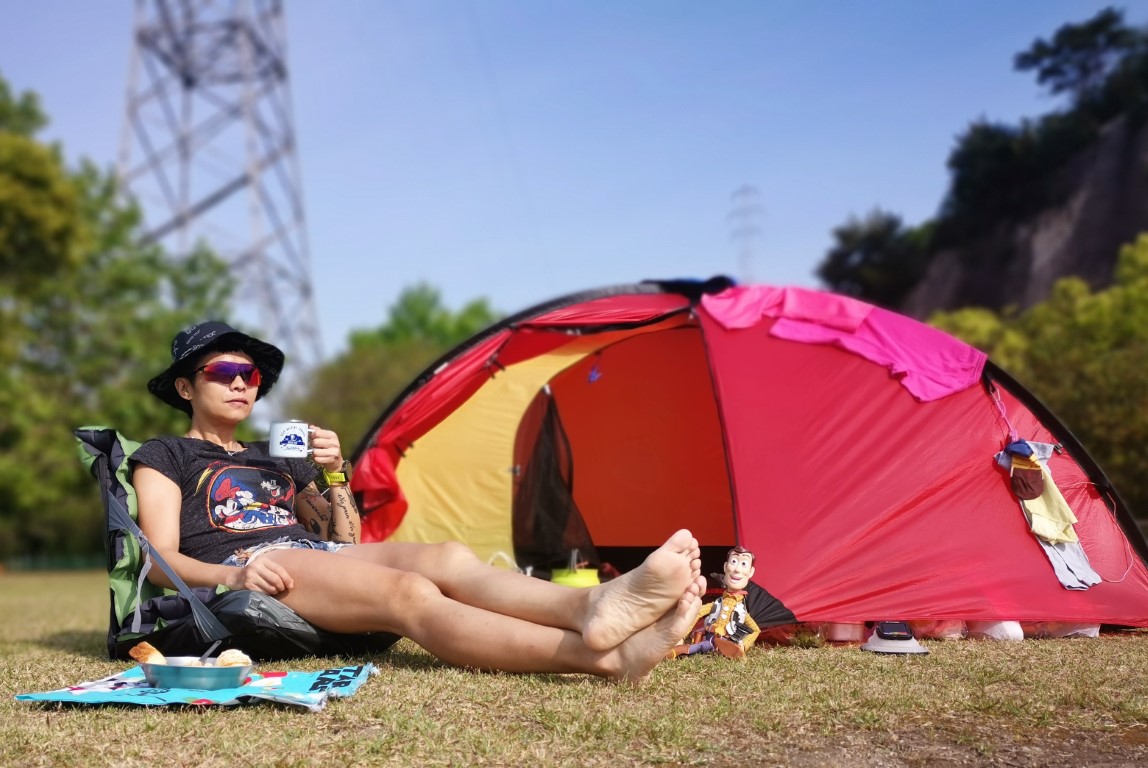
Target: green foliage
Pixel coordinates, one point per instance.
(876, 258)
(41, 231)
(21, 115)
(1085, 355)
(349, 393)
(87, 314)
(1125, 90)
(419, 315)
(87, 322)
(1079, 56)
(1001, 173)
(986, 166)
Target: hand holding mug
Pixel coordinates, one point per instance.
(297, 439)
(325, 449)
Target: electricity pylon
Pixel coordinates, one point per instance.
(209, 153)
(745, 227)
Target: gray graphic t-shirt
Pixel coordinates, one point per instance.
(229, 502)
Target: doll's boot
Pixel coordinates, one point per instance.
(729, 648)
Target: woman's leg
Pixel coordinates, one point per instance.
(347, 594)
(605, 614)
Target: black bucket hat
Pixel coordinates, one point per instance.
(190, 343)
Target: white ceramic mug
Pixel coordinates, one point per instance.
(290, 439)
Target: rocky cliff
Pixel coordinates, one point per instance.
(1103, 194)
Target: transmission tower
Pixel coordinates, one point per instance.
(745, 227)
(208, 151)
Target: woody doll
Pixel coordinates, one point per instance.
(726, 624)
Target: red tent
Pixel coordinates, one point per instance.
(850, 448)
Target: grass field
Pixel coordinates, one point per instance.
(1036, 703)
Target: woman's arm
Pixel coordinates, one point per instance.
(159, 504)
(335, 518)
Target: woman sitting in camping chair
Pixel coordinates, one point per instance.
(227, 512)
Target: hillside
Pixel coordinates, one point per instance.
(1103, 194)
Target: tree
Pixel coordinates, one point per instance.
(20, 115)
(88, 341)
(86, 323)
(1080, 56)
(876, 259)
(41, 230)
(419, 314)
(988, 176)
(348, 393)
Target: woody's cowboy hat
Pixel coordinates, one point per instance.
(191, 343)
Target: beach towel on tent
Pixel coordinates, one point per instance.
(185, 621)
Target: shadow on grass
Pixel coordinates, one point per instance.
(413, 659)
(93, 643)
(404, 656)
(83, 642)
(410, 658)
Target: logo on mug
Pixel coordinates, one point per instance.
(289, 439)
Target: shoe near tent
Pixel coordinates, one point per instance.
(849, 447)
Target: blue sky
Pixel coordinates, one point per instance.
(519, 150)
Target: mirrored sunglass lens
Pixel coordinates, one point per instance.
(221, 373)
(225, 373)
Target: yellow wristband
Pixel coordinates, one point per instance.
(338, 478)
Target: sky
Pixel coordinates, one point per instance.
(521, 150)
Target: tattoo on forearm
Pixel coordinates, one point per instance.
(313, 511)
(346, 511)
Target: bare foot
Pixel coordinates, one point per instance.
(635, 600)
(642, 652)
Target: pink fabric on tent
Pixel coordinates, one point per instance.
(929, 363)
(744, 306)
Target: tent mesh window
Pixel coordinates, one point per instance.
(546, 523)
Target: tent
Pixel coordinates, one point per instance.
(855, 451)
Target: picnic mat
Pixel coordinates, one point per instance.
(304, 689)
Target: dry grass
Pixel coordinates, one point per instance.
(1082, 702)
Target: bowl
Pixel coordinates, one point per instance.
(179, 673)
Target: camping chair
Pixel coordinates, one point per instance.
(185, 621)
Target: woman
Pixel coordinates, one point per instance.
(225, 512)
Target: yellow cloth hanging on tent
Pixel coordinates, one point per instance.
(1049, 515)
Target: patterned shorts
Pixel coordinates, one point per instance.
(244, 556)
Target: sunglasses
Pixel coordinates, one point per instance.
(224, 372)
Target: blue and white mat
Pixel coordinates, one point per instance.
(304, 689)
